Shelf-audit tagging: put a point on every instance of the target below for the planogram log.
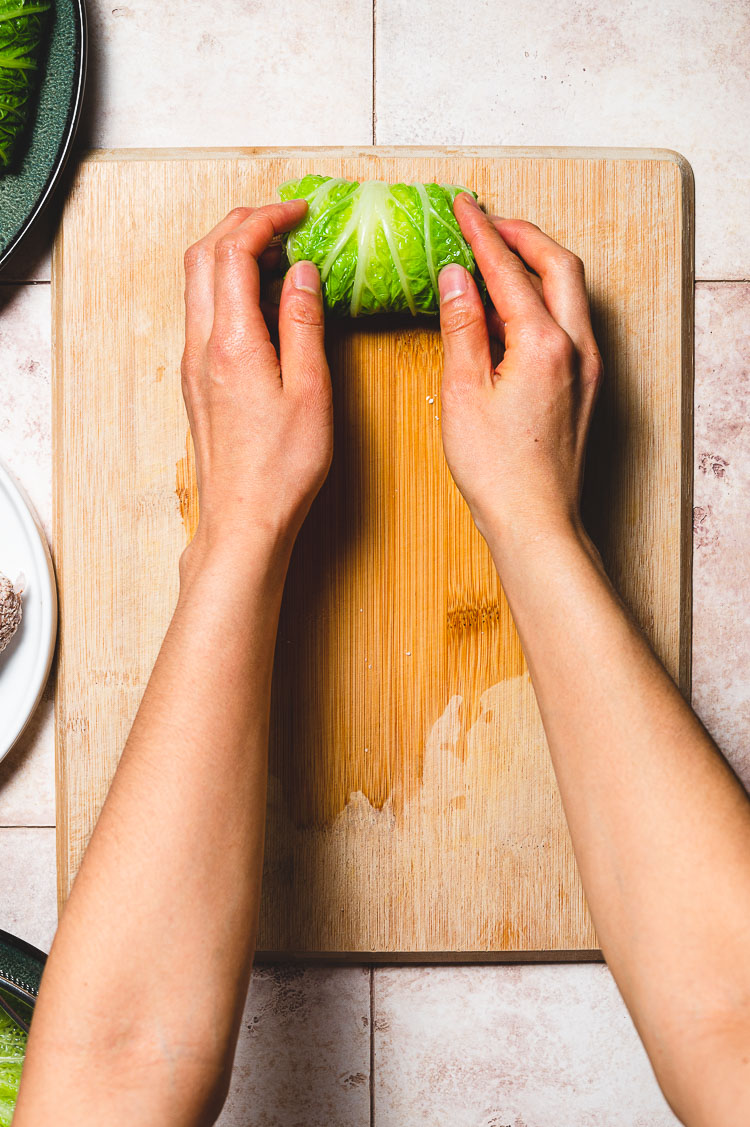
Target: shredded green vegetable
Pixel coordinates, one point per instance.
(23, 25)
(12, 1054)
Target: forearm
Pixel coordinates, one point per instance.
(149, 969)
(660, 825)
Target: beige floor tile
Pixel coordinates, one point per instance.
(721, 518)
(534, 1046)
(303, 1058)
(199, 74)
(28, 904)
(552, 72)
(27, 773)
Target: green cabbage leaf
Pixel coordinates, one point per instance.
(379, 247)
(12, 1055)
(23, 25)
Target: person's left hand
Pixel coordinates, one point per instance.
(514, 433)
(262, 423)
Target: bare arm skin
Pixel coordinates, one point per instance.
(659, 822)
(141, 1000)
(140, 1003)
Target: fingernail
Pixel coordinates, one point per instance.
(306, 277)
(470, 199)
(451, 282)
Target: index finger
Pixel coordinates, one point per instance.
(508, 281)
(199, 280)
(237, 274)
(563, 280)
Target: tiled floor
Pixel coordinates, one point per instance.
(466, 1046)
(559, 72)
(184, 74)
(492, 1046)
(721, 530)
(304, 1051)
(27, 862)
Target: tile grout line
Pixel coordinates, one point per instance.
(15, 826)
(372, 1046)
(374, 111)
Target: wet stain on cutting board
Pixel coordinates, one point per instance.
(186, 489)
(378, 625)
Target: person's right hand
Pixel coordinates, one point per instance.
(261, 421)
(514, 435)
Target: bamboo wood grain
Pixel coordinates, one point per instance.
(412, 805)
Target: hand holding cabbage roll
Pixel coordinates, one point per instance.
(379, 247)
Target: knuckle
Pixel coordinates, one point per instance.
(229, 348)
(314, 385)
(240, 213)
(222, 348)
(571, 262)
(557, 345)
(459, 317)
(197, 256)
(229, 247)
(299, 311)
(262, 219)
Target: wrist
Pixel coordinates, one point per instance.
(520, 546)
(258, 555)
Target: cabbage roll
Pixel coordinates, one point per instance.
(379, 247)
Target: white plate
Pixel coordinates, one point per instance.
(24, 664)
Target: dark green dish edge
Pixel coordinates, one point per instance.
(21, 967)
(68, 134)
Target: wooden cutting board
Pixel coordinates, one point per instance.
(412, 809)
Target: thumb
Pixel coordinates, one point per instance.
(463, 325)
(301, 329)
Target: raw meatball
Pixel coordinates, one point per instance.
(10, 610)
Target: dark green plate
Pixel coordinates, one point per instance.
(20, 972)
(21, 967)
(45, 147)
